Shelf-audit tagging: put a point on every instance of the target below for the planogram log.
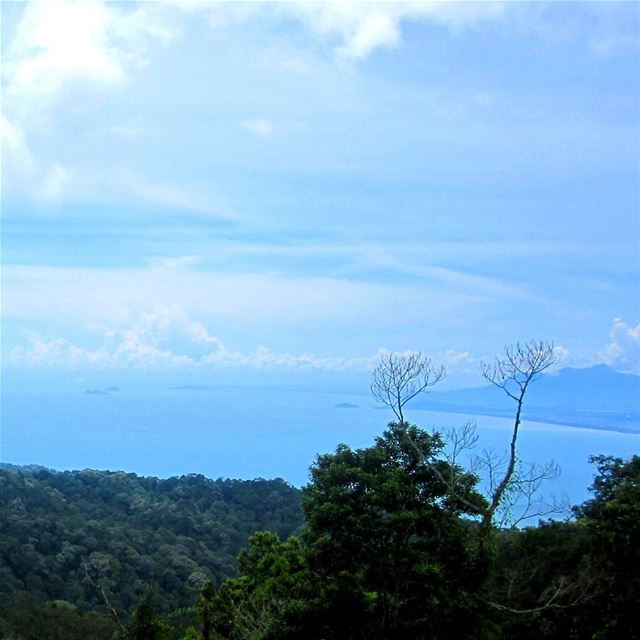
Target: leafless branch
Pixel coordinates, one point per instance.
(561, 589)
(524, 495)
(399, 378)
(99, 588)
(460, 439)
(513, 372)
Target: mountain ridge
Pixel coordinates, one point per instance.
(594, 397)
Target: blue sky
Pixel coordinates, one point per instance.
(196, 189)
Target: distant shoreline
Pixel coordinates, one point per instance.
(497, 413)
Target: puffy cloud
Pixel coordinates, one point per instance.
(96, 45)
(562, 354)
(61, 44)
(54, 183)
(623, 352)
(150, 343)
(14, 147)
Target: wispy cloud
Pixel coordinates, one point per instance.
(357, 29)
(260, 127)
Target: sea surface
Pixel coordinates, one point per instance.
(241, 432)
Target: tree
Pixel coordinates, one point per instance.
(513, 372)
(262, 603)
(399, 378)
(389, 555)
(612, 517)
(146, 625)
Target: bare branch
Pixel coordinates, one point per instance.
(512, 372)
(399, 378)
(96, 586)
(563, 588)
(460, 439)
(523, 495)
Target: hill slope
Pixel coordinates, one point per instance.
(133, 532)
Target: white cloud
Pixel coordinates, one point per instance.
(623, 352)
(562, 354)
(251, 300)
(260, 127)
(142, 345)
(57, 50)
(153, 339)
(456, 360)
(362, 27)
(16, 155)
(187, 198)
(60, 45)
(483, 99)
(23, 170)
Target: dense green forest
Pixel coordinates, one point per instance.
(130, 532)
(385, 553)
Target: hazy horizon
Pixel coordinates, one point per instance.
(277, 193)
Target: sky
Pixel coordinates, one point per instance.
(284, 190)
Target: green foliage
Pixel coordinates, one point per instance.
(612, 518)
(265, 600)
(25, 619)
(581, 579)
(174, 534)
(389, 555)
(146, 625)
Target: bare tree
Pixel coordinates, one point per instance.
(513, 371)
(399, 378)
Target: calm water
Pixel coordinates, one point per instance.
(248, 433)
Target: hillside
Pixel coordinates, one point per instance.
(596, 397)
(133, 532)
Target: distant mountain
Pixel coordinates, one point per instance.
(595, 397)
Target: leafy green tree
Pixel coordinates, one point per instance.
(215, 610)
(266, 599)
(576, 579)
(146, 625)
(390, 556)
(612, 517)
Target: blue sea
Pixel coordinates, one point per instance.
(249, 432)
